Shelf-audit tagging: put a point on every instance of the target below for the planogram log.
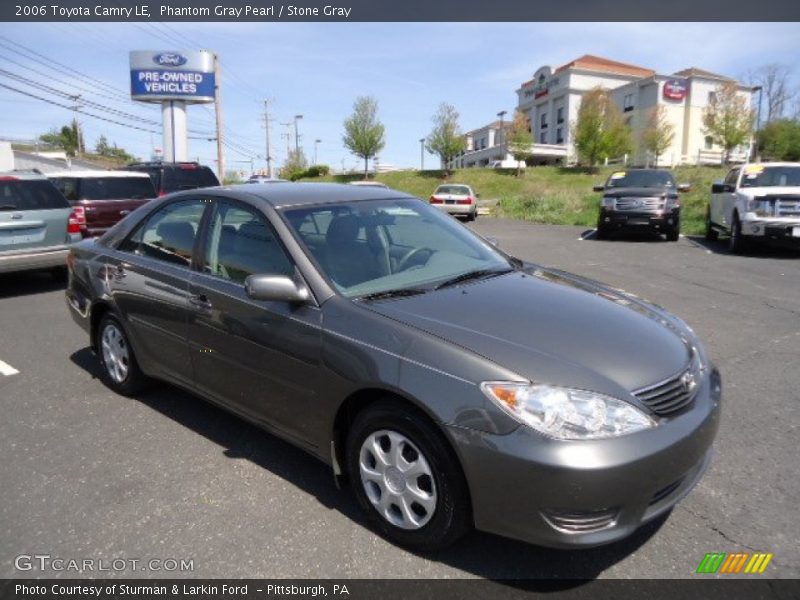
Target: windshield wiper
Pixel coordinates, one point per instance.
(398, 293)
(472, 275)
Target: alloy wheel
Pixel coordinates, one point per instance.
(116, 357)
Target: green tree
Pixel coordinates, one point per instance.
(112, 151)
(446, 138)
(600, 131)
(780, 140)
(659, 132)
(295, 166)
(519, 140)
(728, 118)
(364, 134)
(68, 138)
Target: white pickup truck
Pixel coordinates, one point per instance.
(756, 202)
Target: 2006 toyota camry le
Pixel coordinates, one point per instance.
(452, 385)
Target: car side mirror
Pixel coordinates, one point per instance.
(719, 188)
(599, 188)
(684, 187)
(278, 288)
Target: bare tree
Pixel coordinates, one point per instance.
(775, 82)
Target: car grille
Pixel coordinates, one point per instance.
(670, 396)
(787, 207)
(639, 203)
(576, 521)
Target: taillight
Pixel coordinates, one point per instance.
(435, 200)
(77, 220)
(464, 201)
(162, 193)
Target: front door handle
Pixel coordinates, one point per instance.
(200, 301)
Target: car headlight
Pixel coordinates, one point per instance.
(608, 201)
(567, 414)
(673, 202)
(760, 206)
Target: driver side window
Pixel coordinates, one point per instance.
(732, 176)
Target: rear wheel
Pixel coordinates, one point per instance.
(712, 235)
(120, 370)
(406, 478)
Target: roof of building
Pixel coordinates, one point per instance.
(493, 125)
(695, 72)
(590, 62)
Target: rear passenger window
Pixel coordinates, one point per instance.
(29, 194)
(169, 234)
(241, 243)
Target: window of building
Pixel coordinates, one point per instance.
(543, 121)
(712, 97)
(560, 115)
(627, 102)
(543, 137)
(709, 142)
(559, 135)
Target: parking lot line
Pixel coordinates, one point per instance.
(6, 369)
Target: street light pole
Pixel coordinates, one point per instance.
(421, 154)
(502, 115)
(316, 143)
(755, 156)
(296, 134)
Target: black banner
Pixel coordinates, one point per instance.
(398, 10)
(396, 589)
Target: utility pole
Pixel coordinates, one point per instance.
(502, 115)
(79, 146)
(266, 126)
(288, 137)
(421, 154)
(316, 143)
(218, 111)
(296, 135)
(754, 154)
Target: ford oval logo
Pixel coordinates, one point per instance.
(169, 59)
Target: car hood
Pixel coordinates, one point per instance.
(553, 327)
(752, 192)
(640, 192)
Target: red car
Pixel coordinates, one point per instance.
(102, 198)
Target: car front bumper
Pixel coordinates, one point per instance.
(35, 259)
(658, 221)
(781, 230)
(573, 494)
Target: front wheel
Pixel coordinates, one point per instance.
(737, 244)
(712, 235)
(406, 478)
(675, 233)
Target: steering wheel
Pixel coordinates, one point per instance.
(403, 263)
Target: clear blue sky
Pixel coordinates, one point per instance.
(318, 69)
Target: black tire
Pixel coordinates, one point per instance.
(134, 380)
(737, 243)
(602, 233)
(451, 518)
(674, 233)
(59, 274)
(712, 235)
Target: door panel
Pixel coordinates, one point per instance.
(260, 358)
(148, 277)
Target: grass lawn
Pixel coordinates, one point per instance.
(548, 194)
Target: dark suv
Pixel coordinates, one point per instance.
(640, 199)
(175, 176)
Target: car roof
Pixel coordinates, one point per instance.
(88, 174)
(285, 194)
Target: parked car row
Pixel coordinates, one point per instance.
(758, 202)
(41, 215)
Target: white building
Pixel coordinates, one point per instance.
(551, 100)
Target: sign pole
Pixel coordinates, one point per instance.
(218, 111)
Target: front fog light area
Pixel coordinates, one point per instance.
(567, 414)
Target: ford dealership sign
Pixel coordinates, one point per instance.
(164, 76)
(170, 59)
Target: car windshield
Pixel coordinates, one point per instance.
(455, 190)
(645, 179)
(760, 176)
(116, 188)
(375, 247)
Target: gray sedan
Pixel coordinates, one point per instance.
(451, 385)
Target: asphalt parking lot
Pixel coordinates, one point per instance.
(89, 474)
